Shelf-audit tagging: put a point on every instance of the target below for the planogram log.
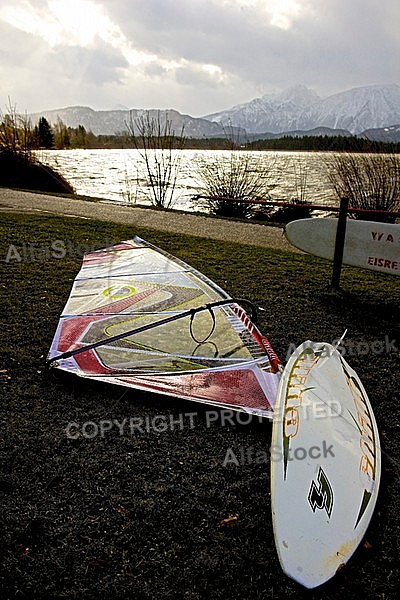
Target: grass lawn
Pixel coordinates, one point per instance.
(147, 515)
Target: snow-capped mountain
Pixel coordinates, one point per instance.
(298, 107)
(275, 113)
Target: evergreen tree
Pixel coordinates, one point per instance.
(46, 138)
(80, 139)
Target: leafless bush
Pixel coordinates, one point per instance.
(158, 146)
(237, 175)
(300, 171)
(370, 182)
(16, 133)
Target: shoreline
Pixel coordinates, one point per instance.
(204, 226)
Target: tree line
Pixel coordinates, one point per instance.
(60, 136)
(325, 143)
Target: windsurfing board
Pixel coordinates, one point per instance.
(325, 464)
(368, 244)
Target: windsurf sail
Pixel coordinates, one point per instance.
(139, 317)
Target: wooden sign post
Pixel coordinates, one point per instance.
(339, 244)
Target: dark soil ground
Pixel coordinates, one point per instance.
(154, 514)
(23, 171)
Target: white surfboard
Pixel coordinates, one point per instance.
(367, 244)
(325, 464)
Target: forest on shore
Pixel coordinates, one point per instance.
(60, 137)
(80, 138)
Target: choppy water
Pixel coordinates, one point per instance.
(120, 175)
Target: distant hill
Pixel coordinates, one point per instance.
(112, 122)
(317, 131)
(383, 134)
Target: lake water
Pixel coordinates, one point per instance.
(120, 175)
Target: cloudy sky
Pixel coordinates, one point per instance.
(197, 56)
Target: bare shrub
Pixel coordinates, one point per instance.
(229, 180)
(158, 146)
(18, 165)
(16, 133)
(370, 182)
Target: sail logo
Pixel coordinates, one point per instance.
(296, 388)
(321, 494)
(368, 466)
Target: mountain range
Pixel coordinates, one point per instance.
(370, 111)
(354, 110)
(112, 122)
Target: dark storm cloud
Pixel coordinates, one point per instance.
(98, 65)
(205, 55)
(330, 45)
